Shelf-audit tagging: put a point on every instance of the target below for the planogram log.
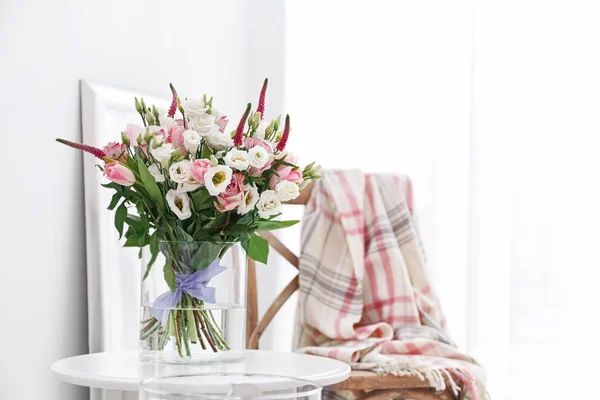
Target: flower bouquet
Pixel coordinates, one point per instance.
(193, 194)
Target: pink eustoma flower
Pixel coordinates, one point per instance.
(231, 198)
(116, 151)
(119, 173)
(132, 132)
(176, 138)
(222, 123)
(285, 172)
(199, 168)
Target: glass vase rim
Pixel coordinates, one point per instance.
(315, 387)
(200, 241)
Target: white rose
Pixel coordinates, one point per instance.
(258, 156)
(191, 141)
(163, 153)
(249, 200)
(194, 108)
(179, 204)
(287, 190)
(205, 125)
(237, 159)
(180, 171)
(219, 141)
(188, 186)
(268, 204)
(217, 178)
(155, 172)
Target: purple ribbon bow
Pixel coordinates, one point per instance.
(192, 284)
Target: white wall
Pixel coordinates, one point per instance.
(46, 47)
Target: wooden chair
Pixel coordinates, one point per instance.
(367, 385)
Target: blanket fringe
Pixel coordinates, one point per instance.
(438, 378)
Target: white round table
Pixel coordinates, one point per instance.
(122, 371)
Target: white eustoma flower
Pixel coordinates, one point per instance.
(237, 159)
(179, 203)
(156, 173)
(216, 113)
(260, 131)
(217, 178)
(219, 141)
(249, 200)
(258, 156)
(163, 153)
(287, 190)
(191, 140)
(205, 125)
(157, 141)
(268, 204)
(167, 122)
(188, 186)
(194, 108)
(180, 172)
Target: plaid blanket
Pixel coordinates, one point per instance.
(364, 295)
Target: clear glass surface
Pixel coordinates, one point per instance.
(228, 387)
(196, 329)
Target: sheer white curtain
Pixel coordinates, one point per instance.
(492, 110)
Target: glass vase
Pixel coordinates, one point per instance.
(228, 386)
(193, 303)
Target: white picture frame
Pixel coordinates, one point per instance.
(113, 272)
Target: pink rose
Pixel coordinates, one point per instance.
(132, 132)
(116, 151)
(198, 169)
(233, 195)
(176, 138)
(287, 173)
(222, 123)
(119, 173)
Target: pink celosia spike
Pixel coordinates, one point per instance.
(261, 99)
(286, 134)
(88, 149)
(238, 139)
(173, 108)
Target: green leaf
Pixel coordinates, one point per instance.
(137, 240)
(153, 251)
(150, 185)
(206, 253)
(182, 235)
(264, 225)
(132, 165)
(114, 201)
(256, 248)
(120, 217)
(201, 199)
(216, 221)
(206, 152)
(169, 274)
(112, 185)
(287, 164)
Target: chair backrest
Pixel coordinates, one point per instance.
(254, 326)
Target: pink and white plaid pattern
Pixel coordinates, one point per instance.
(364, 295)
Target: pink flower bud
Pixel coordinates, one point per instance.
(119, 173)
